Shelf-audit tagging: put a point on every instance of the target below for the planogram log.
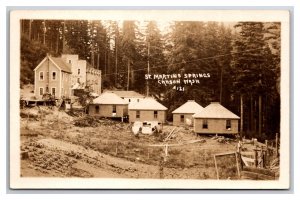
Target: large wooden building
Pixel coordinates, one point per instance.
(183, 115)
(52, 76)
(108, 105)
(147, 109)
(61, 76)
(216, 119)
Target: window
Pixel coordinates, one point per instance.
(228, 124)
(78, 80)
(129, 100)
(47, 89)
(114, 108)
(41, 76)
(138, 100)
(70, 61)
(155, 114)
(97, 109)
(53, 91)
(137, 114)
(205, 124)
(181, 118)
(78, 71)
(53, 75)
(41, 91)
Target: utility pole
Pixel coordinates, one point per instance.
(242, 116)
(116, 64)
(63, 36)
(44, 32)
(29, 32)
(221, 84)
(128, 72)
(148, 62)
(259, 106)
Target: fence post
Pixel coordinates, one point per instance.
(161, 168)
(255, 157)
(216, 166)
(237, 165)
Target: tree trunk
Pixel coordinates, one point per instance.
(29, 31)
(221, 84)
(259, 116)
(242, 116)
(128, 73)
(251, 114)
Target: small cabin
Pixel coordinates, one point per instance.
(183, 115)
(216, 119)
(147, 109)
(108, 105)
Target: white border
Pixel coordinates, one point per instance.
(215, 15)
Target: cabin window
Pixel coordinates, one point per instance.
(205, 124)
(53, 91)
(78, 71)
(181, 118)
(97, 109)
(155, 114)
(228, 124)
(114, 108)
(138, 114)
(41, 91)
(41, 76)
(53, 75)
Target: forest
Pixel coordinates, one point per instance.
(242, 60)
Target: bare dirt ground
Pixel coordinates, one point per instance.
(57, 144)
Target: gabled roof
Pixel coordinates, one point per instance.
(126, 94)
(109, 98)
(189, 107)
(147, 104)
(58, 62)
(215, 110)
(61, 64)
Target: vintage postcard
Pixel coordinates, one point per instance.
(149, 99)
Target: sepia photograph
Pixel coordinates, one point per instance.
(149, 99)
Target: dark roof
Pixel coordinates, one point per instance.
(61, 64)
(215, 111)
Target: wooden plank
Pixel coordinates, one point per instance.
(247, 153)
(256, 176)
(216, 166)
(259, 170)
(237, 165)
(172, 145)
(224, 154)
(246, 160)
(170, 134)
